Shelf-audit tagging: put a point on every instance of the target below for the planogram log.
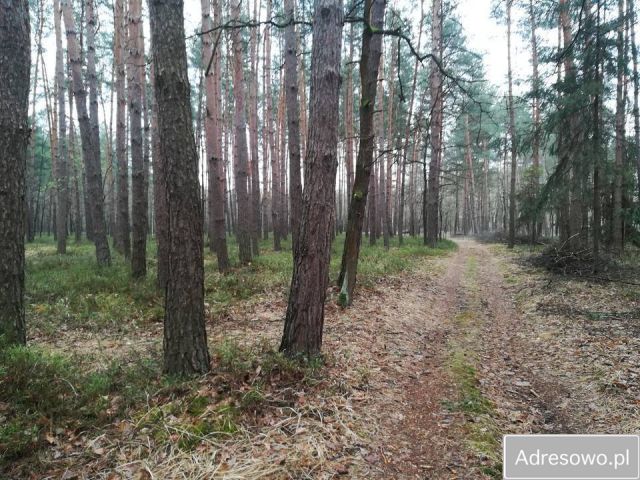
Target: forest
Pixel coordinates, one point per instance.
(314, 239)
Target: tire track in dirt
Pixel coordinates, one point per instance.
(533, 402)
(466, 313)
(422, 437)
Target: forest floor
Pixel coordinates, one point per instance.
(442, 353)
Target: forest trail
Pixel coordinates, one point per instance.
(464, 373)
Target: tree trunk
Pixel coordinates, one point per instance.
(240, 158)
(569, 138)
(146, 142)
(185, 337)
(305, 312)
(256, 218)
(109, 181)
(471, 198)
(430, 213)
(270, 137)
(293, 123)
(210, 106)
(535, 141)
(373, 204)
(213, 133)
(512, 136)
(135, 67)
(390, 138)
(31, 165)
(375, 185)
(122, 235)
(15, 68)
(412, 188)
(161, 213)
(636, 89)
(617, 241)
(282, 148)
(61, 154)
(302, 91)
(89, 127)
(265, 147)
(597, 105)
(369, 64)
(72, 160)
(348, 116)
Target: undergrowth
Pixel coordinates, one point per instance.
(43, 393)
(47, 399)
(70, 291)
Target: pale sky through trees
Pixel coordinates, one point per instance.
(485, 35)
(488, 38)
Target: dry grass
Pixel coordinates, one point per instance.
(256, 415)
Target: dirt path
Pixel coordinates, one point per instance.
(462, 373)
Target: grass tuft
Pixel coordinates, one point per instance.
(42, 391)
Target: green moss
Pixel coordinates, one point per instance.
(343, 299)
(471, 400)
(18, 436)
(482, 434)
(253, 398)
(472, 266)
(464, 319)
(198, 405)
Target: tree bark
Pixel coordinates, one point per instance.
(161, 213)
(89, 127)
(430, 213)
(282, 148)
(535, 142)
(305, 312)
(122, 236)
(146, 140)
(241, 153)
(72, 161)
(302, 91)
(265, 147)
(109, 180)
(270, 137)
(369, 64)
(348, 116)
(293, 123)
(61, 154)
(636, 89)
(512, 136)
(372, 205)
(597, 106)
(15, 68)
(470, 196)
(185, 337)
(571, 210)
(213, 133)
(31, 164)
(617, 239)
(390, 139)
(135, 67)
(256, 215)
